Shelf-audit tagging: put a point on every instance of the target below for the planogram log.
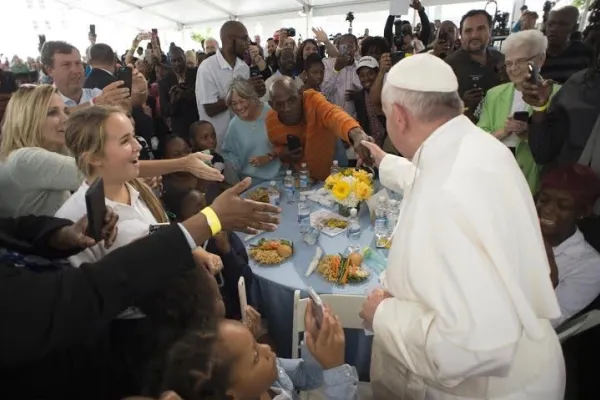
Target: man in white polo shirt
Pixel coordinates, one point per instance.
(216, 73)
(63, 63)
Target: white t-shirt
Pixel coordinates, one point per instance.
(518, 105)
(134, 222)
(212, 81)
(578, 266)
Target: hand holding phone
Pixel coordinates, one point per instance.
(125, 74)
(534, 74)
(318, 308)
(293, 143)
(95, 202)
(243, 298)
(522, 116)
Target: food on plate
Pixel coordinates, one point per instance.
(271, 251)
(259, 194)
(342, 270)
(335, 223)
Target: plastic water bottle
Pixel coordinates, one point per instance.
(274, 195)
(335, 168)
(354, 230)
(304, 178)
(381, 222)
(303, 214)
(393, 212)
(289, 186)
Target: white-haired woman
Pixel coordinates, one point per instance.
(246, 147)
(505, 102)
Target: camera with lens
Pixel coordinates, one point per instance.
(291, 32)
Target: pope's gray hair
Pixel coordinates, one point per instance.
(243, 88)
(533, 40)
(426, 106)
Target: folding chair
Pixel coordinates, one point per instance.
(578, 325)
(346, 307)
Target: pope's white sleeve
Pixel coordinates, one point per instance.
(464, 323)
(396, 173)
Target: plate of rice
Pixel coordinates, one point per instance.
(271, 251)
(342, 270)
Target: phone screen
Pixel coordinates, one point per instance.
(534, 76)
(95, 202)
(293, 142)
(343, 49)
(125, 74)
(521, 116)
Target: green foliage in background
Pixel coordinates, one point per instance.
(201, 36)
(578, 3)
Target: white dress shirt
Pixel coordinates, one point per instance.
(335, 84)
(86, 96)
(134, 222)
(212, 81)
(470, 278)
(578, 275)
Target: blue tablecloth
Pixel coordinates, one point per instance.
(275, 285)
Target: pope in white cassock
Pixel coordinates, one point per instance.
(468, 300)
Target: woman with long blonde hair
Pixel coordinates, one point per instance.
(37, 173)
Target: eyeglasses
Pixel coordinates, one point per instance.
(518, 63)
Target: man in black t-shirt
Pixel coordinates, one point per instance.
(564, 57)
(477, 66)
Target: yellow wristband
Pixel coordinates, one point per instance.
(213, 221)
(542, 108)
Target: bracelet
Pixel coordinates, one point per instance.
(213, 220)
(542, 108)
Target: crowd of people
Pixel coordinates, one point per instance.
(493, 146)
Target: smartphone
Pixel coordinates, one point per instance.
(343, 49)
(254, 72)
(155, 227)
(93, 30)
(534, 74)
(293, 142)
(243, 297)
(125, 74)
(521, 116)
(95, 203)
(317, 306)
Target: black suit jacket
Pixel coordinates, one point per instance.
(98, 79)
(54, 335)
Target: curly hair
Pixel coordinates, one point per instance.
(379, 43)
(198, 366)
(186, 303)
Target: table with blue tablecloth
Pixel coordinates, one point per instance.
(274, 286)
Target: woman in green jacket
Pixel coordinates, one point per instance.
(503, 101)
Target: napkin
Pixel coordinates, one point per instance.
(315, 262)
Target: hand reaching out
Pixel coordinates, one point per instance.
(195, 164)
(74, 237)
(320, 34)
(211, 262)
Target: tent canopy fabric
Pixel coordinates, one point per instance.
(180, 14)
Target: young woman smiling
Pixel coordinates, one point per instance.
(37, 174)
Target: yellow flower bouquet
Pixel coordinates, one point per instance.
(349, 188)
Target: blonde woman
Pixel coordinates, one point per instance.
(37, 174)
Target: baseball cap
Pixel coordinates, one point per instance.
(367, 61)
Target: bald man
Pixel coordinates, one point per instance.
(216, 73)
(564, 57)
(317, 122)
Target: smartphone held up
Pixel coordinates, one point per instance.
(318, 308)
(125, 74)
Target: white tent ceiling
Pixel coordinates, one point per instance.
(179, 14)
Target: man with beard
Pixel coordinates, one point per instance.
(564, 57)
(177, 96)
(215, 74)
(63, 63)
(477, 66)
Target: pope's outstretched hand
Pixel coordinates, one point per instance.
(376, 153)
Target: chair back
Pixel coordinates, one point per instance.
(578, 325)
(345, 306)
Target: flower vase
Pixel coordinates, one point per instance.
(345, 211)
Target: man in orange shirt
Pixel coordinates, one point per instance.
(314, 120)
